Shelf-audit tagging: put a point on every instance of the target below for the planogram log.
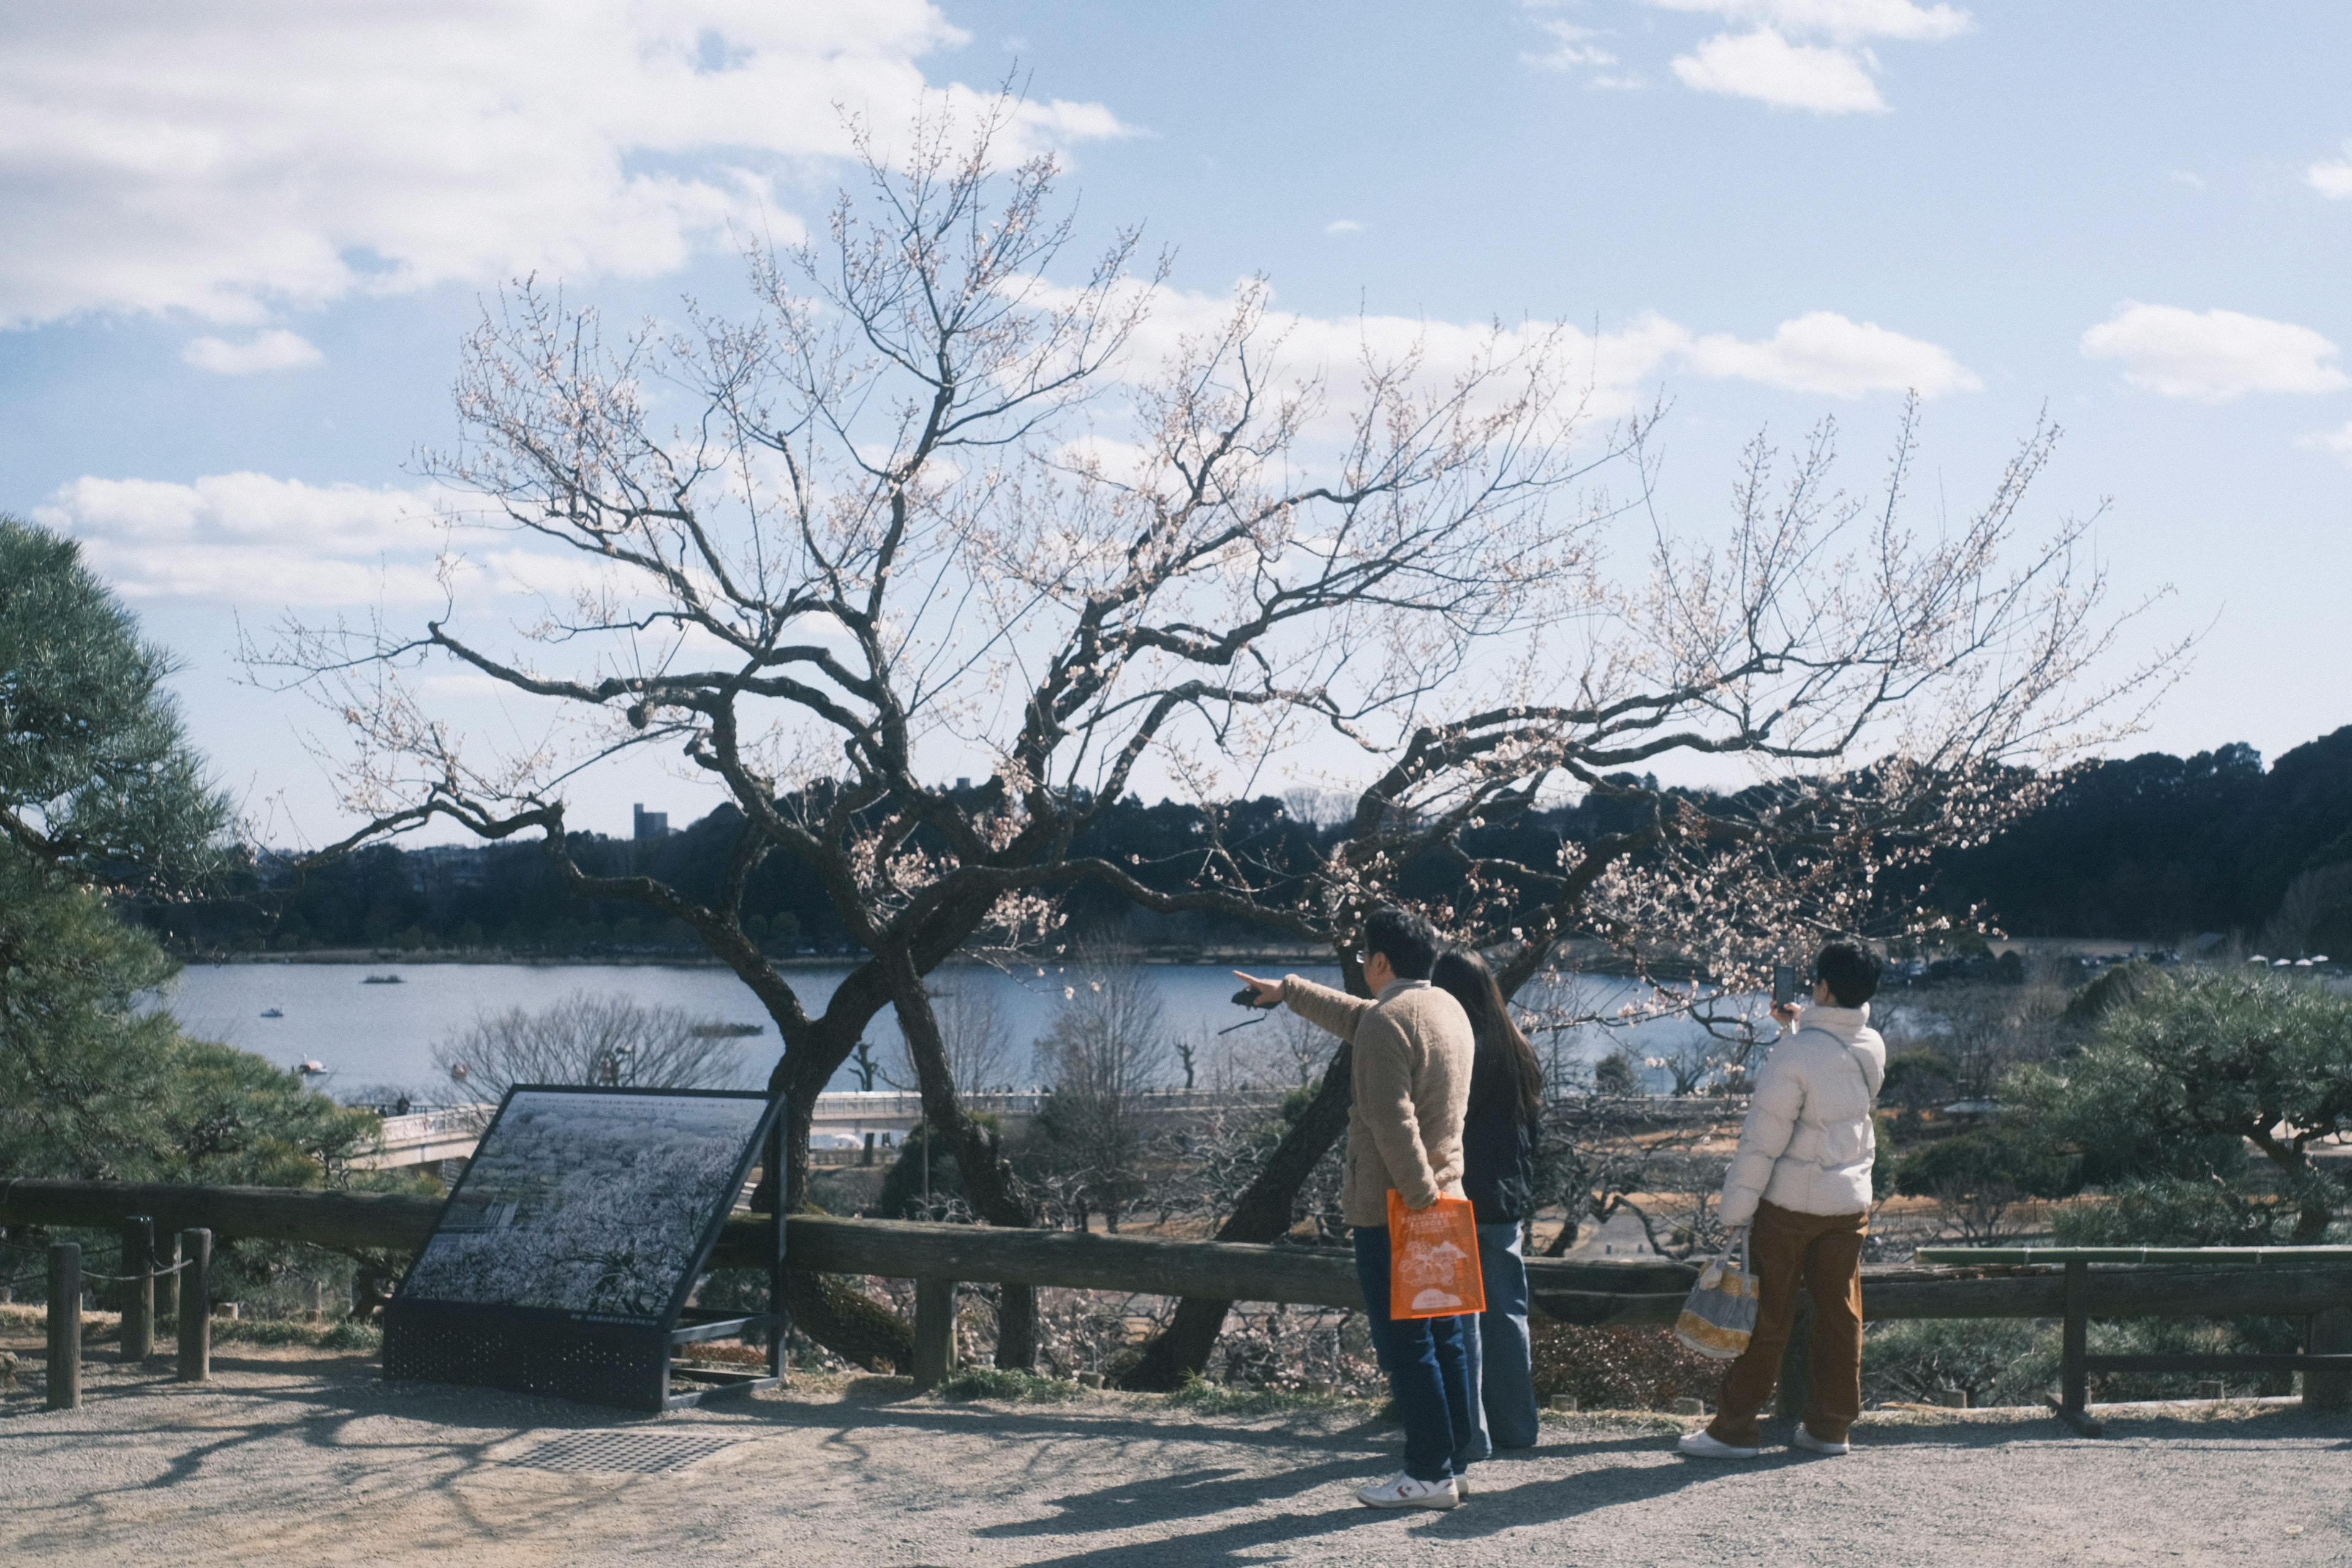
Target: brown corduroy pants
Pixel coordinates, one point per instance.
(1822, 1253)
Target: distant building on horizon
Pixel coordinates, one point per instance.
(648, 823)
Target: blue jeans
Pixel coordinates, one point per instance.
(1501, 1367)
(1429, 1367)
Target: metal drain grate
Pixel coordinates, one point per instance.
(636, 1453)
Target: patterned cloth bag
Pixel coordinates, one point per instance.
(1719, 1318)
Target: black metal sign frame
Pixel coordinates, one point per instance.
(599, 1358)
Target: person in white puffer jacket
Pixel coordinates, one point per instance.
(1800, 1188)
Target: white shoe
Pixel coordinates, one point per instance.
(1701, 1445)
(1462, 1487)
(1400, 1491)
(1812, 1445)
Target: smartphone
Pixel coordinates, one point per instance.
(1784, 984)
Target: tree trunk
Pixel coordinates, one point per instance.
(833, 1313)
(1264, 1214)
(988, 1181)
(2316, 1195)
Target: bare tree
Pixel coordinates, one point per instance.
(1688, 1063)
(1107, 1047)
(972, 1034)
(2309, 900)
(938, 493)
(590, 1038)
(1889, 692)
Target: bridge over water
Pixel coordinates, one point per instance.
(839, 1129)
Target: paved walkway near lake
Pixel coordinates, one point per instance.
(289, 1457)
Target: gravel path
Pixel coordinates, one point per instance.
(291, 1458)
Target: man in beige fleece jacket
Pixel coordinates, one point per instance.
(1410, 1071)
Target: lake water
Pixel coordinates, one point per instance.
(381, 1036)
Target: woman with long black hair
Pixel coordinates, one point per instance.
(1499, 1139)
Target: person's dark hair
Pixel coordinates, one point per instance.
(1409, 940)
(1849, 970)
(1506, 1063)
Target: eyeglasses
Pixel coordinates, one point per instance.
(1362, 958)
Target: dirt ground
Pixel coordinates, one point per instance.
(290, 1456)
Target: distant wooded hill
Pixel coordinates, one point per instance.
(2152, 847)
(2157, 847)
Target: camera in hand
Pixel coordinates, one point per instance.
(1247, 998)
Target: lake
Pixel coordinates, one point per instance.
(373, 1037)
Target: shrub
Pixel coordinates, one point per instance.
(2007, 1158)
(2119, 987)
(1614, 1367)
(1198, 1393)
(2015, 1362)
(2170, 1211)
(997, 1382)
(1918, 1077)
(2183, 1078)
(904, 1190)
(1997, 1361)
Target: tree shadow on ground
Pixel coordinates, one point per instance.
(1172, 1500)
(2262, 1425)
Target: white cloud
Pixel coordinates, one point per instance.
(1571, 47)
(1343, 226)
(1778, 61)
(228, 160)
(2337, 441)
(2213, 356)
(1823, 351)
(1766, 67)
(277, 349)
(1840, 21)
(2333, 181)
(252, 540)
(1617, 362)
(260, 542)
(1818, 352)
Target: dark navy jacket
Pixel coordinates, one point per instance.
(1498, 1148)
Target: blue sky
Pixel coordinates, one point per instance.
(247, 237)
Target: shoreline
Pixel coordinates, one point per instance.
(490, 959)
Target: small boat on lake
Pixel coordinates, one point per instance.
(273, 1012)
(383, 979)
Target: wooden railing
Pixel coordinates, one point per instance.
(2327, 1359)
(2311, 1284)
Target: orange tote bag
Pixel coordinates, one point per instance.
(1434, 1260)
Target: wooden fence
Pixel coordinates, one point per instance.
(2311, 1284)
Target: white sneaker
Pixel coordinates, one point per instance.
(1400, 1491)
(1702, 1445)
(1812, 1445)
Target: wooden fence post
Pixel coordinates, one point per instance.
(65, 1326)
(934, 1330)
(138, 1289)
(2327, 1333)
(196, 1306)
(2073, 1374)
(780, 1307)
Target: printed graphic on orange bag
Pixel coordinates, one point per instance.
(1434, 1260)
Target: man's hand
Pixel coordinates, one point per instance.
(1785, 1014)
(1267, 992)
